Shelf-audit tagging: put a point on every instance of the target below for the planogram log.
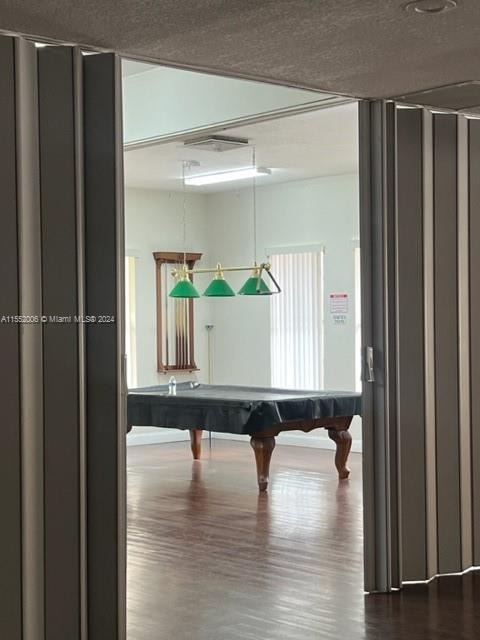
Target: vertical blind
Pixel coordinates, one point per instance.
(130, 322)
(296, 317)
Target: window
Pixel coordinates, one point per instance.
(297, 320)
(130, 322)
(175, 321)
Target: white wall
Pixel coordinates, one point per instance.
(318, 211)
(153, 222)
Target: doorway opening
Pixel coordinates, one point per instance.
(236, 538)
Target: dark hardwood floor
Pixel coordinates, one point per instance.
(211, 559)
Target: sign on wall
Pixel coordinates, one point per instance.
(339, 308)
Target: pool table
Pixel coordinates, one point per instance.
(259, 412)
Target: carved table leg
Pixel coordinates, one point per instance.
(196, 442)
(343, 440)
(263, 448)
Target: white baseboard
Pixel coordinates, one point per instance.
(161, 436)
(296, 439)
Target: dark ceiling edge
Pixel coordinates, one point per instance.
(177, 65)
(407, 96)
(441, 86)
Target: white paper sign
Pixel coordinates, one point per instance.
(339, 303)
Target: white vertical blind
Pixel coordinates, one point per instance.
(296, 317)
(130, 322)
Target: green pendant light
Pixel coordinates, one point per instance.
(184, 288)
(219, 287)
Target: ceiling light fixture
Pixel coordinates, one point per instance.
(430, 7)
(227, 176)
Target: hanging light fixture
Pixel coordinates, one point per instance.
(184, 287)
(219, 287)
(255, 285)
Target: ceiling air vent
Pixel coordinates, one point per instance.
(464, 96)
(216, 143)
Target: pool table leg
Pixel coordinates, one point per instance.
(343, 439)
(263, 448)
(196, 443)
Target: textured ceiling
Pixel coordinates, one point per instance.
(319, 143)
(362, 48)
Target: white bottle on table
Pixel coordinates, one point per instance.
(172, 387)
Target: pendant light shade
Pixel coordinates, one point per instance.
(219, 287)
(255, 286)
(184, 289)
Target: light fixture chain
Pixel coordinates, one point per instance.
(254, 195)
(184, 164)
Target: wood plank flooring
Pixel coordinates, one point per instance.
(211, 559)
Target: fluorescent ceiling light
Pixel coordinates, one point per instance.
(227, 176)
